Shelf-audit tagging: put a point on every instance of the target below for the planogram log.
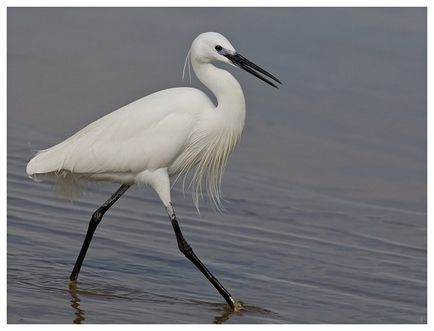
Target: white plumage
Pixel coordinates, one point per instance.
(161, 135)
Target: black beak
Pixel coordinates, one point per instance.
(240, 61)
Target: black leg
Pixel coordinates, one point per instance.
(186, 249)
(94, 221)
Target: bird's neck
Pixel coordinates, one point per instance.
(223, 85)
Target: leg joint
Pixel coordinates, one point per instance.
(184, 247)
(96, 217)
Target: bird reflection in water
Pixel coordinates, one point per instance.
(225, 314)
(75, 304)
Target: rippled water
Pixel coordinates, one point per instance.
(326, 207)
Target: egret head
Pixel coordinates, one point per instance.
(212, 46)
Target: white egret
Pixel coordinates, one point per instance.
(162, 135)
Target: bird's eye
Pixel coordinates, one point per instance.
(218, 48)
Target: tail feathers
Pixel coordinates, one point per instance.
(48, 166)
(43, 163)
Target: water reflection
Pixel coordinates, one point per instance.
(226, 314)
(75, 304)
(80, 314)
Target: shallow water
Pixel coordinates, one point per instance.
(325, 217)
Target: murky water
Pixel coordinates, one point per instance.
(326, 195)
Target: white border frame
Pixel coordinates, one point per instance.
(208, 3)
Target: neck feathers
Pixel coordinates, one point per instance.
(211, 148)
(221, 83)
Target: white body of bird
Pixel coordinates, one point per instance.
(165, 134)
(156, 137)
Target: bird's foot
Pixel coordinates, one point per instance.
(236, 305)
